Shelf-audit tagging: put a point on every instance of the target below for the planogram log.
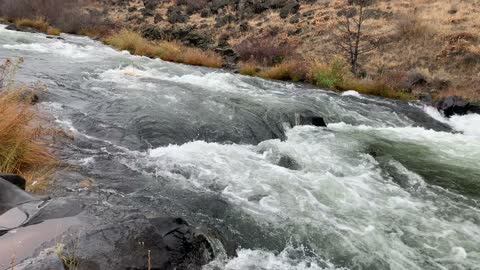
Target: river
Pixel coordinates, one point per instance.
(386, 185)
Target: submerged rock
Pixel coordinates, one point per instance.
(310, 119)
(288, 162)
(27, 29)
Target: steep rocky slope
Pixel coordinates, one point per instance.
(433, 43)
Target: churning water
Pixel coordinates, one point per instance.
(387, 185)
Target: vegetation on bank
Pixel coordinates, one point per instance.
(171, 51)
(334, 75)
(274, 52)
(39, 24)
(22, 137)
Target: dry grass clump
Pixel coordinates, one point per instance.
(249, 68)
(289, 71)
(166, 50)
(375, 88)
(335, 75)
(95, 32)
(39, 24)
(133, 42)
(198, 57)
(410, 27)
(22, 148)
(169, 51)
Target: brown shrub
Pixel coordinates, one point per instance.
(68, 15)
(198, 57)
(248, 68)
(38, 23)
(172, 51)
(410, 27)
(192, 5)
(266, 50)
(133, 42)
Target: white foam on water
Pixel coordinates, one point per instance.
(468, 124)
(132, 76)
(339, 197)
(64, 49)
(352, 93)
(288, 259)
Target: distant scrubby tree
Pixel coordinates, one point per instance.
(353, 38)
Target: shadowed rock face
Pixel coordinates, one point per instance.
(11, 195)
(134, 243)
(452, 105)
(128, 243)
(14, 179)
(171, 243)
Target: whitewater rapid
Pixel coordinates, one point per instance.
(386, 185)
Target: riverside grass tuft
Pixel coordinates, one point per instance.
(39, 24)
(22, 147)
(172, 51)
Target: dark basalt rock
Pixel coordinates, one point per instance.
(123, 243)
(188, 34)
(134, 243)
(170, 243)
(289, 163)
(55, 37)
(310, 119)
(13, 27)
(11, 195)
(176, 15)
(151, 4)
(456, 106)
(290, 7)
(157, 18)
(224, 20)
(17, 180)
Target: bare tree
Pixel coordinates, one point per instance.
(352, 38)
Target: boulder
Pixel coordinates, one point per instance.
(453, 105)
(47, 259)
(165, 243)
(176, 15)
(474, 109)
(17, 180)
(11, 195)
(291, 7)
(288, 162)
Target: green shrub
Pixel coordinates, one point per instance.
(328, 75)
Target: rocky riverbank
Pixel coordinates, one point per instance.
(61, 233)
